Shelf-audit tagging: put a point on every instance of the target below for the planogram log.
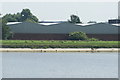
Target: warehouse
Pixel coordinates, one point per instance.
(60, 31)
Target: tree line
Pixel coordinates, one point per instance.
(24, 16)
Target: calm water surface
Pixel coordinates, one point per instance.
(0, 66)
(59, 65)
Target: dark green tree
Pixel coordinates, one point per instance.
(74, 19)
(78, 36)
(6, 33)
(10, 18)
(26, 15)
(18, 17)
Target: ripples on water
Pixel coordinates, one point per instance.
(60, 65)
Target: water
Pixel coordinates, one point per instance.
(0, 66)
(60, 65)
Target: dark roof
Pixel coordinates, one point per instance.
(64, 28)
(114, 21)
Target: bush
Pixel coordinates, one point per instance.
(78, 36)
(93, 39)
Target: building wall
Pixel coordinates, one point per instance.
(105, 37)
(29, 36)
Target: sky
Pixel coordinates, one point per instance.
(87, 11)
(119, 9)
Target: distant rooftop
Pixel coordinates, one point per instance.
(85, 24)
(48, 23)
(53, 21)
(114, 21)
(59, 22)
(9, 23)
(64, 28)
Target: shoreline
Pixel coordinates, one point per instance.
(60, 50)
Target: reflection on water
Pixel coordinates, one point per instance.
(60, 65)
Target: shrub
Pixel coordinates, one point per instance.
(78, 36)
(93, 39)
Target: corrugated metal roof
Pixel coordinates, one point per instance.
(64, 28)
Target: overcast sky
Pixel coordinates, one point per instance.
(87, 11)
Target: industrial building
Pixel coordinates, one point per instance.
(60, 31)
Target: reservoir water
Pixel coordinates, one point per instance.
(0, 66)
(59, 65)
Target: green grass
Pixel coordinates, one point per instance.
(58, 44)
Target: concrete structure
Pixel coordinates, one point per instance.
(60, 31)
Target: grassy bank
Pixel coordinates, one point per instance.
(58, 44)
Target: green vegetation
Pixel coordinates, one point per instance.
(58, 44)
(93, 39)
(78, 36)
(6, 33)
(24, 16)
(74, 19)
